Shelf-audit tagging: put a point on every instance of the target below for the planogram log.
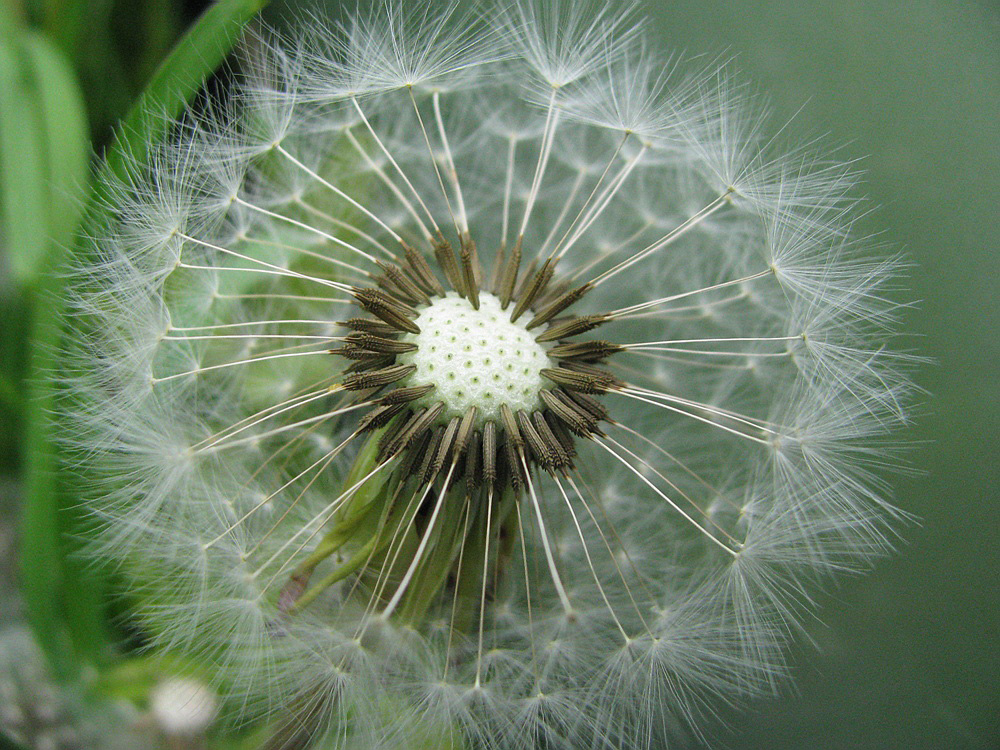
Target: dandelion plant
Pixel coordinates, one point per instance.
(482, 382)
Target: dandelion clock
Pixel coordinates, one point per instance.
(481, 383)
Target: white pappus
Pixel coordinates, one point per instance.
(482, 382)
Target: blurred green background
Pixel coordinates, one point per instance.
(906, 657)
(909, 656)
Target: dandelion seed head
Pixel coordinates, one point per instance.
(494, 382)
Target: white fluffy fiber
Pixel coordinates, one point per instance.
(761, 387)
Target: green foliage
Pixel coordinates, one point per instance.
(45, 184)
(180, 76)
(44, 149)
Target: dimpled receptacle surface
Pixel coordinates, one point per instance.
(476, 358)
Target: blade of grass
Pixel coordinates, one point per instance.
(23, 181)
(42, 554)
(161, 24)
(65, 133)
(67, 153)
(23, 214)
(64, 22)
(180, 76)
(50, 100)
(46, 569)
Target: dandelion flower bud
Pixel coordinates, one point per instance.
(492, 385)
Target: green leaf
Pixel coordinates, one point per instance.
(23, 189)
(65, 23)
(41, 553)
(66, 141)
(43, 151)
(66, 150)
(43, 166)
(180, 76)
(42, 120)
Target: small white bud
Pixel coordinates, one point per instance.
(183, 707)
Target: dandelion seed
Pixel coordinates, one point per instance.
(487, 386)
